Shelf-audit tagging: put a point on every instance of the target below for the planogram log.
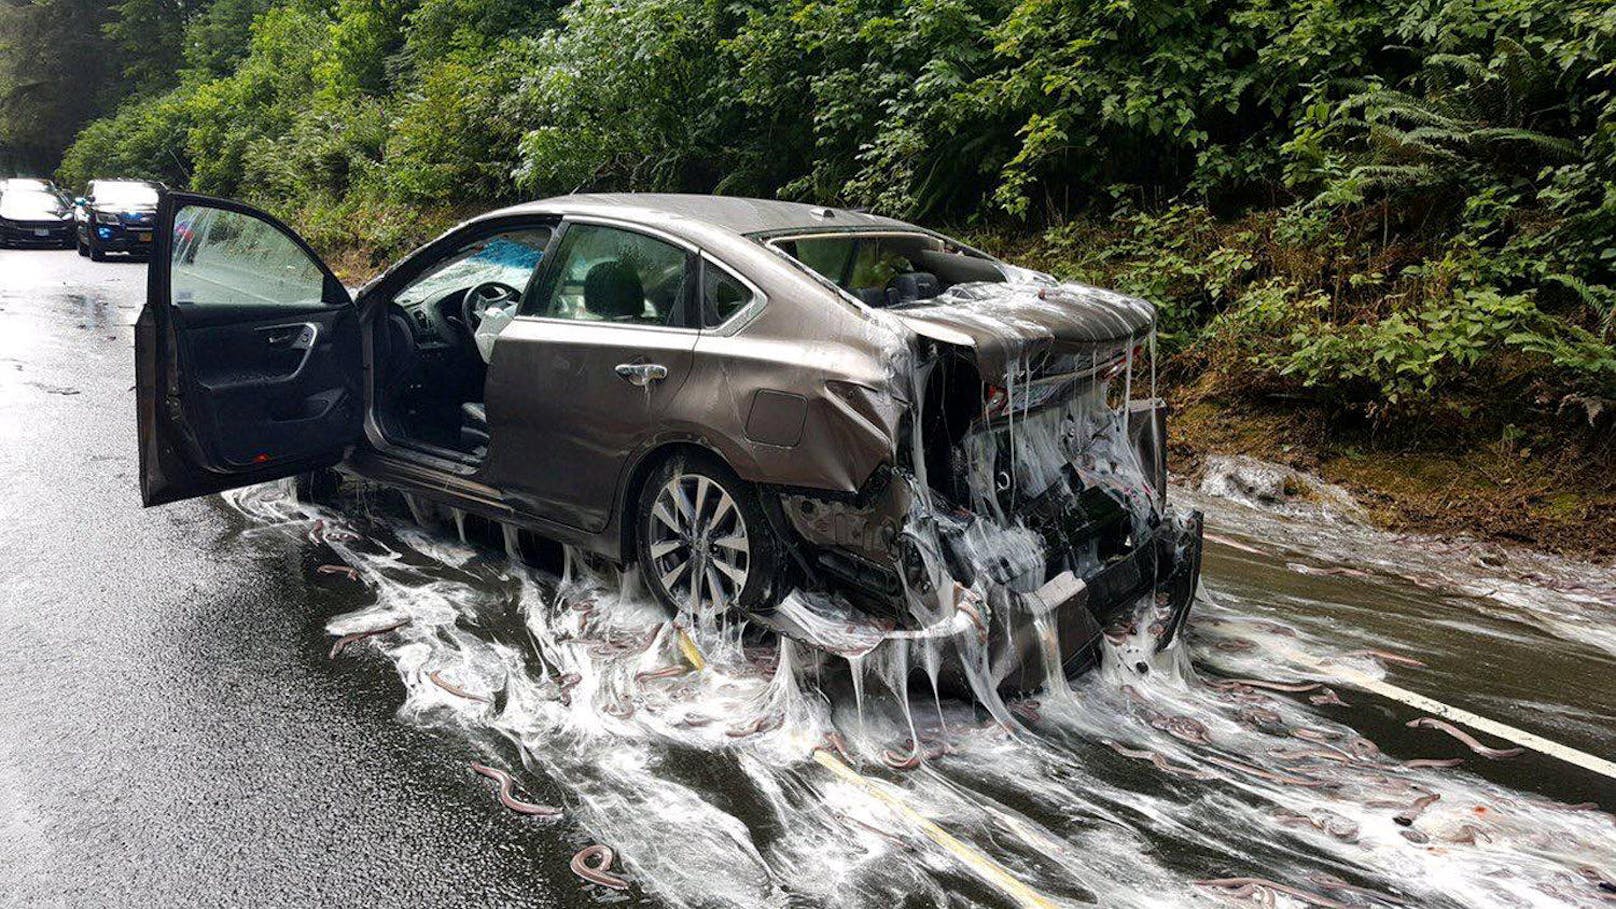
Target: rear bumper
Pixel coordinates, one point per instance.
(1151, 588)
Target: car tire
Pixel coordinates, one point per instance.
(730, 536)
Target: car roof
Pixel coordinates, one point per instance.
(737, 214)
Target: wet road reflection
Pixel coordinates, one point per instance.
(180, 729)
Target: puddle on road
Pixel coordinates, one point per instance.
(1120, 790)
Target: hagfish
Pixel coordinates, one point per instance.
(508, 799)
(593, 863)
(1409, 815)
(666, 672)
(1159, 761)
(1469, 740)
(1294, 688)
(456, 690)
(899, 761)
(357, 636)
(1387, 657)
(1256, 883)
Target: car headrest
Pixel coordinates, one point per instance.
(871, 296)
(612, 290)
(914, 285)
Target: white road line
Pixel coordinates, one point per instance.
(1447, 711)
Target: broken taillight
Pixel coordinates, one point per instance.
(994, 400)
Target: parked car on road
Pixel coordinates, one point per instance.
(824, 419)
(116, 216)
(32, 183)
(31, 216)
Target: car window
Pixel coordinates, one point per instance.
(877, 262)
(123, 193)
(722, 295)
(829, 256)
(607, 274)
(30, 205)
(890, 268)
(509, 258)
(224, 258)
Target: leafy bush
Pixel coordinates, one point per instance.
(1390, 206)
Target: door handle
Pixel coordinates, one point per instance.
(641, 374)
(296, 337)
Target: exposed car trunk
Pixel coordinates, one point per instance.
(1014, 326)
(1029, 484)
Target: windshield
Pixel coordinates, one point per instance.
(24, 205)
(507, 258)
(125, 194)
(890, 268)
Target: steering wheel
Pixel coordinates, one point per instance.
(485, 296)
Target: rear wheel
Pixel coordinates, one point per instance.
(703, 541)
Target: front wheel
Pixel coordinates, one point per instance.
(96, 255)
(703, 541)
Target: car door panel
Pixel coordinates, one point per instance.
(272, 387)
(248, 354)
(564, 422)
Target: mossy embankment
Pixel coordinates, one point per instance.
(1552, 489)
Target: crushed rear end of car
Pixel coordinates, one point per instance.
(1024, 517)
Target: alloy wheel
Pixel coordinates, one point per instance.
(699, 548)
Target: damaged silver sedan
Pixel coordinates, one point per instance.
(844, 428)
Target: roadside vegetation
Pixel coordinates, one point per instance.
(1380, 231)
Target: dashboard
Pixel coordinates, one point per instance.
(435, 322)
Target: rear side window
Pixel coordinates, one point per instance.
(722, 295)
(607, 274)
(831, 256)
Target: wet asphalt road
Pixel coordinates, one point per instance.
(171, 731)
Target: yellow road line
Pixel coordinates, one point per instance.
(688, 648)
(985, 867)
(1459, 715)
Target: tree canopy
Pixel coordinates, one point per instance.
(1368, 201)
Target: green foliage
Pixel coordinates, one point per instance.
(144, 139)
(54, 68)
(147, 38)
(1390, 206)
(1411, 354)
(626, 96)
